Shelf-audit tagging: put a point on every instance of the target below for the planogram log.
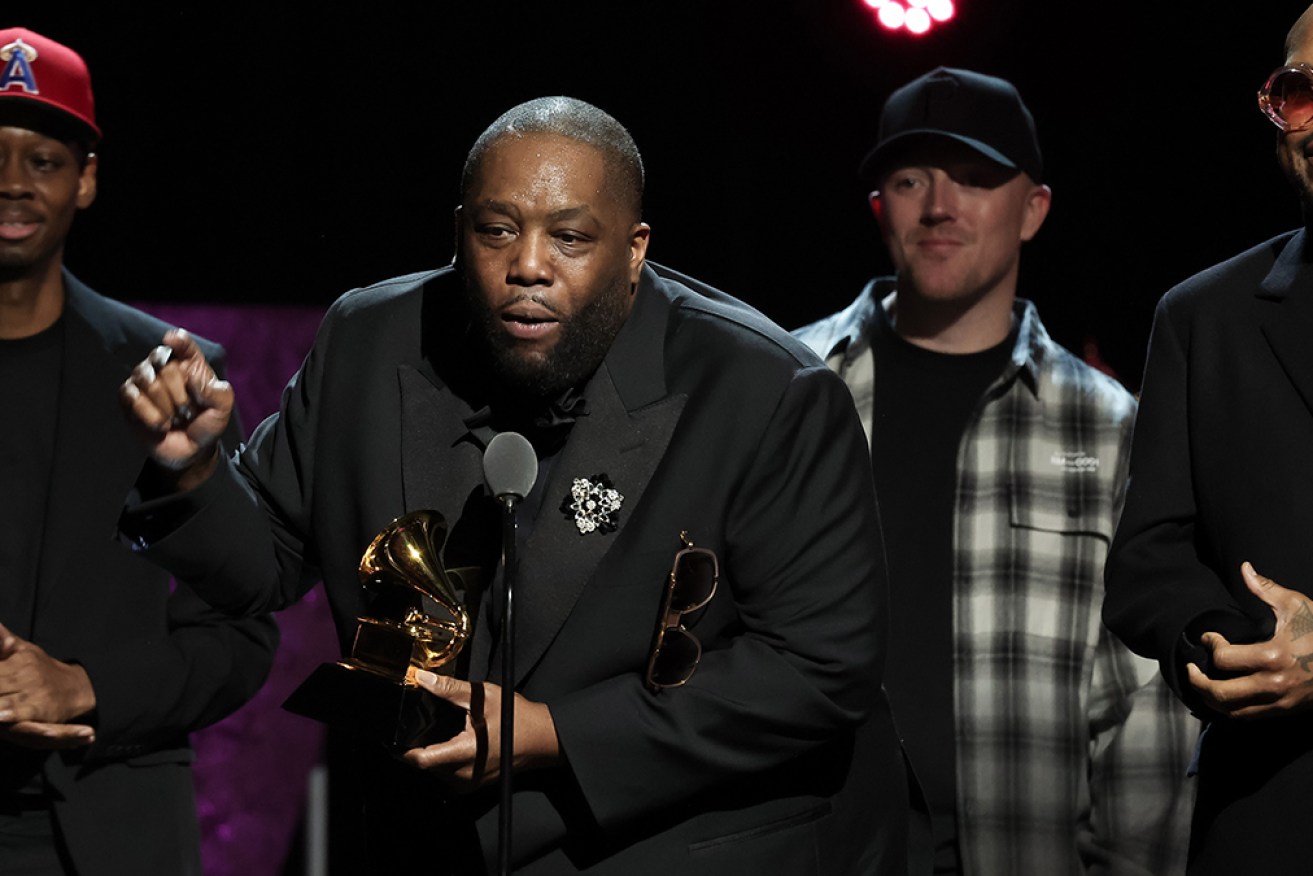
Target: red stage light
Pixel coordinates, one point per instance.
(917, 16)
(940, 10)
(891, 15)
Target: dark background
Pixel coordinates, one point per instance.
(283, 154)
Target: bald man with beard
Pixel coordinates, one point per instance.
(769, 746)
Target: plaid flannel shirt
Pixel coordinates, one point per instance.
(1071, 750)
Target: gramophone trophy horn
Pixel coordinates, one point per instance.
(417, 622)
(435, 625)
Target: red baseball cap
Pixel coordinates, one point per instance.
(38, 73)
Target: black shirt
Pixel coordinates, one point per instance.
(29, 404)
(923, 401)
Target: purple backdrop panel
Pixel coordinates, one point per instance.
(251, 768)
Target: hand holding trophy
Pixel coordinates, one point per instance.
(422, 624)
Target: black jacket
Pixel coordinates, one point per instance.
(161, 664)
(707, 418)
(1221, 473)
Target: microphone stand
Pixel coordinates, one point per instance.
(510, 468)
(509, 566)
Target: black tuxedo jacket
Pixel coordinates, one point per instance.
(161, 664)
(1221, 472)
(779, 754)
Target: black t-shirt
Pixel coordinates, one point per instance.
(29, 404)
(923, 402)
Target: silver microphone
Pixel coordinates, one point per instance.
(510, 466)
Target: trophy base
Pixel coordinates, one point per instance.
(374, 707)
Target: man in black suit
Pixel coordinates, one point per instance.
(102, 671)
(1219, 492)
(773, 753)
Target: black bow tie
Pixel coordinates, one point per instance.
(545, 425)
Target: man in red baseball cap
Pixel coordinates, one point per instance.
(48, 80)
(103, 671)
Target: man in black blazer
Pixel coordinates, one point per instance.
(103, 671)
(776, 753)
(1222, 489)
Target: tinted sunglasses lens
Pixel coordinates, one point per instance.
(695, 579)
(1290, 94)
(674, 663)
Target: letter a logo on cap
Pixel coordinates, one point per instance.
(18, 57)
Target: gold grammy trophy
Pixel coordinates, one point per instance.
(423, 625)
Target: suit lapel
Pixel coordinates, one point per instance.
(1289, 327)
(558, 562)
(95, 457)
(438, 469)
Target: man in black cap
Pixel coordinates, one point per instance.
(1042, 744)
(103, 671)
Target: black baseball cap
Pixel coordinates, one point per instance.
(983, 112)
